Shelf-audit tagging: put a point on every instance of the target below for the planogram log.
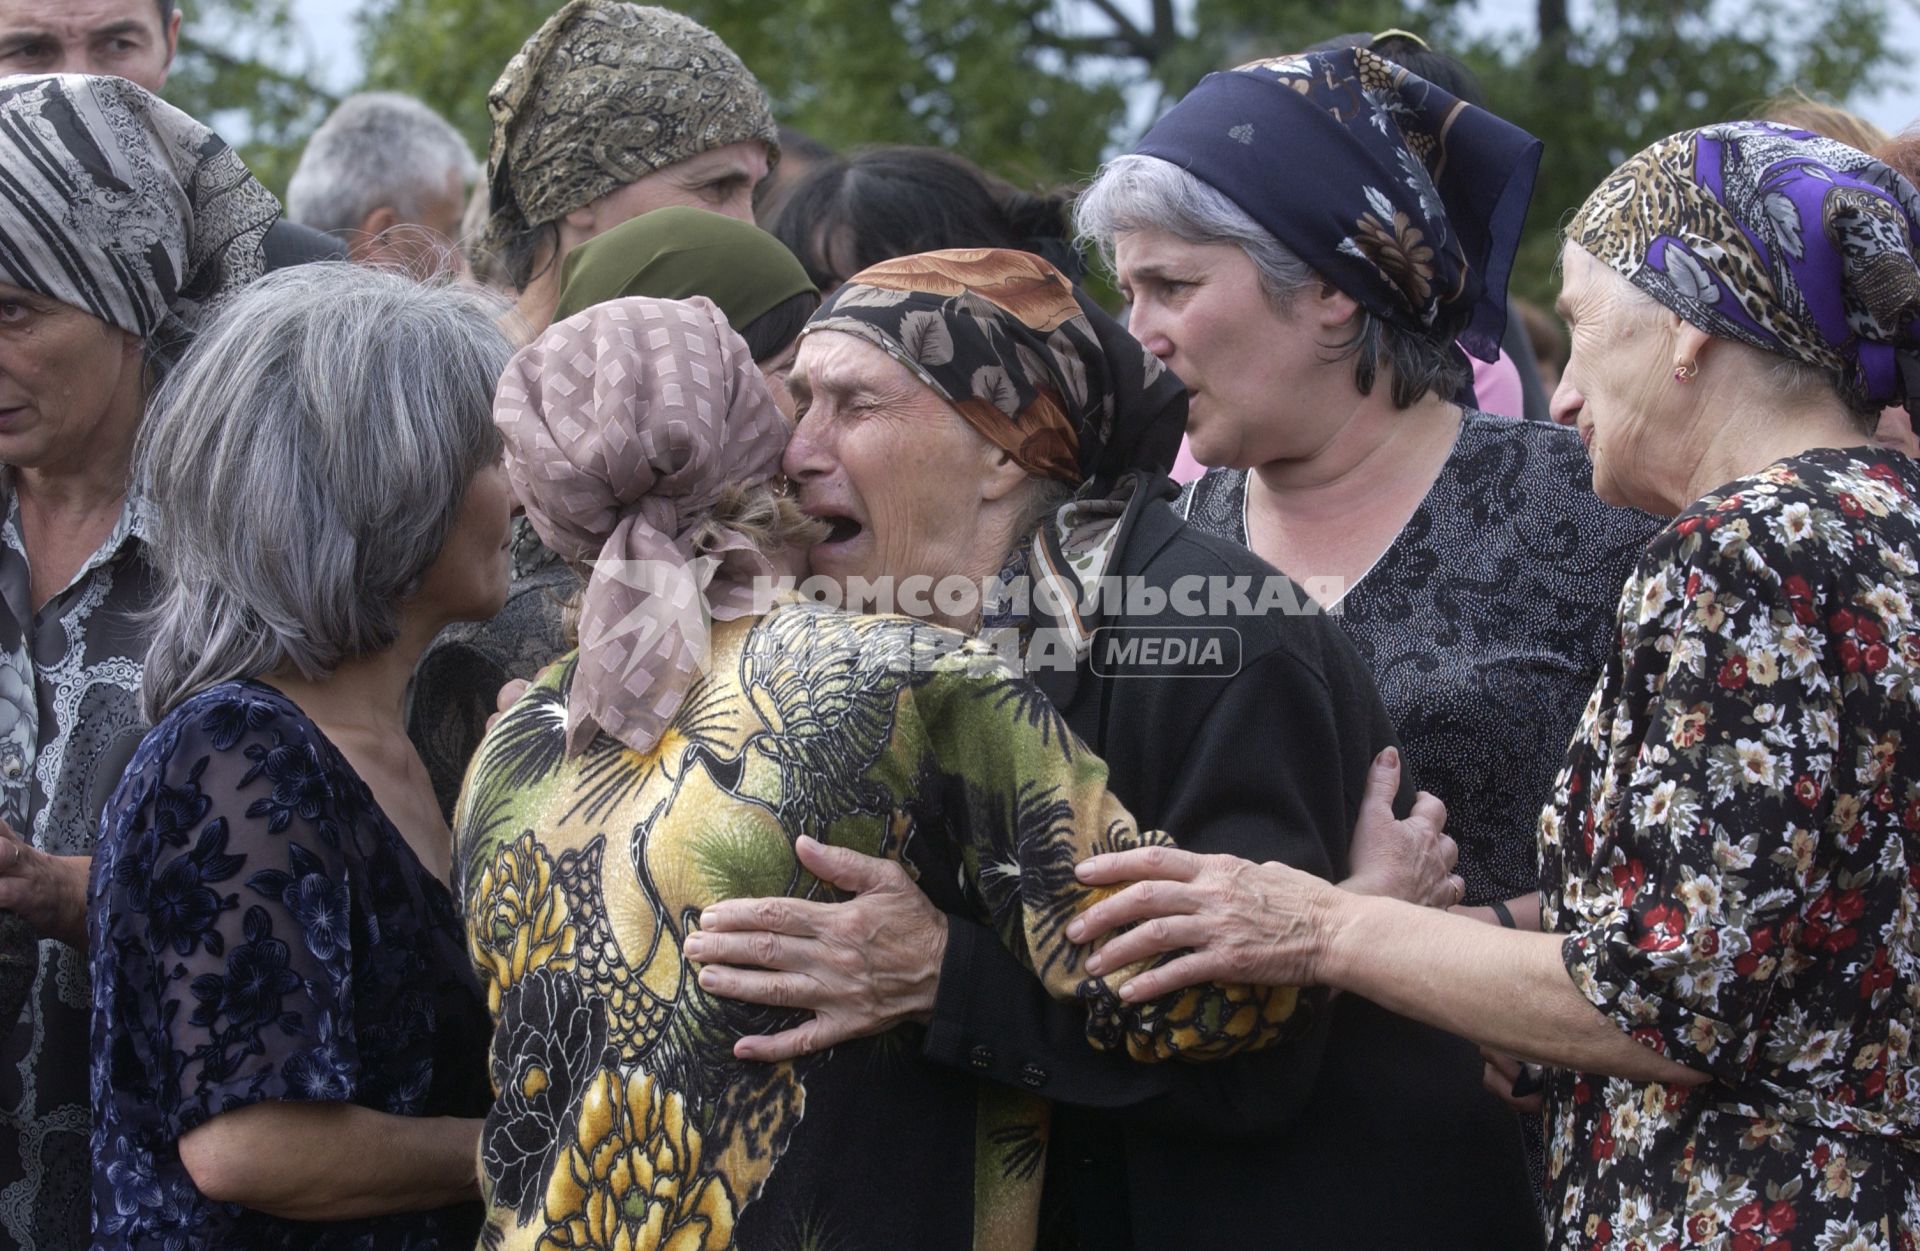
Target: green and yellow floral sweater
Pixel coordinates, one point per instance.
(622, 1119)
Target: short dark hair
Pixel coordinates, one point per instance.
(1415, 56)
(898, 201)
(769, 334)
(166, 13)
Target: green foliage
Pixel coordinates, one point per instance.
(1638, 70)
(958, 73)
(1038, 90)
(447, 52)
(241, 69)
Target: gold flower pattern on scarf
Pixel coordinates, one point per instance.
(519, 920)
(1386, 238)
(634, 1176)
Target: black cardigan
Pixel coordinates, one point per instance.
(1369, 1131)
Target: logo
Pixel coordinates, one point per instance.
(1165, 652)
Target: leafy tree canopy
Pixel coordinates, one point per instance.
(1039, 90)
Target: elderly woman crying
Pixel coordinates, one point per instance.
(706, 743)
(966, 417)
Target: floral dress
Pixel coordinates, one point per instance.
(623, 1119)
(1734, 855)
(259, 930)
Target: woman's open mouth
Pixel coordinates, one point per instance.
(841, 529)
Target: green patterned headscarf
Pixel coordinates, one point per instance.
(674, 253)
(604, 94)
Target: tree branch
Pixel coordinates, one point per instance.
(227, 61)
(1127, 30)
(1090, 45)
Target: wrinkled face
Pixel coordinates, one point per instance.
(115, 37)
(468, 580)
(894, 471)
(1618, 388)
(1252, 374)
(71, 386)
(720, 180)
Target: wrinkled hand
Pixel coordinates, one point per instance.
(1260, 924)
(48, 892)
(509, 696)
(1501, 1072)
(861, 966)
(1411, 859)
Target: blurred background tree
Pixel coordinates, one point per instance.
(242, 69)
(1039, 90)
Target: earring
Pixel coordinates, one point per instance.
(1683, 371)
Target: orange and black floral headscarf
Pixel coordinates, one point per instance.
(1024, 357)
(1404, 197)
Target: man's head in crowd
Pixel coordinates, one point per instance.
(388, 177)
(133, 39)
(609, 111)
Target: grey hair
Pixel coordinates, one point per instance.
(1137, 192)
(303, 467)
(1045, 497)
(377, 150)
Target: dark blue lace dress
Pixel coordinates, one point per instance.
(259, 930)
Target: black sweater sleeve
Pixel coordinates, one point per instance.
(1268, 765)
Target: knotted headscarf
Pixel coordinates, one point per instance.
(1031, 364)
(1777, 237)
(603, 94)
(122, 206)
(1404, 197)
(623, 426)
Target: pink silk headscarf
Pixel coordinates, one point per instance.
(623, 425)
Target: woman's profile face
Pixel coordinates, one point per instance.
(468, 581)
(70, 384)
(1252, 374)
(1618, 384)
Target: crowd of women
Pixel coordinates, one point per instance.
(433, 820)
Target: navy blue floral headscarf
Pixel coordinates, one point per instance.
(1405, 198)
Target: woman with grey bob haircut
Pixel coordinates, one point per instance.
(288, 1039)
(247, 444)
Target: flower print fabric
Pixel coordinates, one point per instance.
(260, 931)
(1733, 852)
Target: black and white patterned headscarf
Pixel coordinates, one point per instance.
(121, 205)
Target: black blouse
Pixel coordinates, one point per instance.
(1486, 623)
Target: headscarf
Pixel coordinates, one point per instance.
(604, 94)
(122, 206)
(1030, 363)
(623, 425)
(1409, 200)
(672, 253)
(1777, 237)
